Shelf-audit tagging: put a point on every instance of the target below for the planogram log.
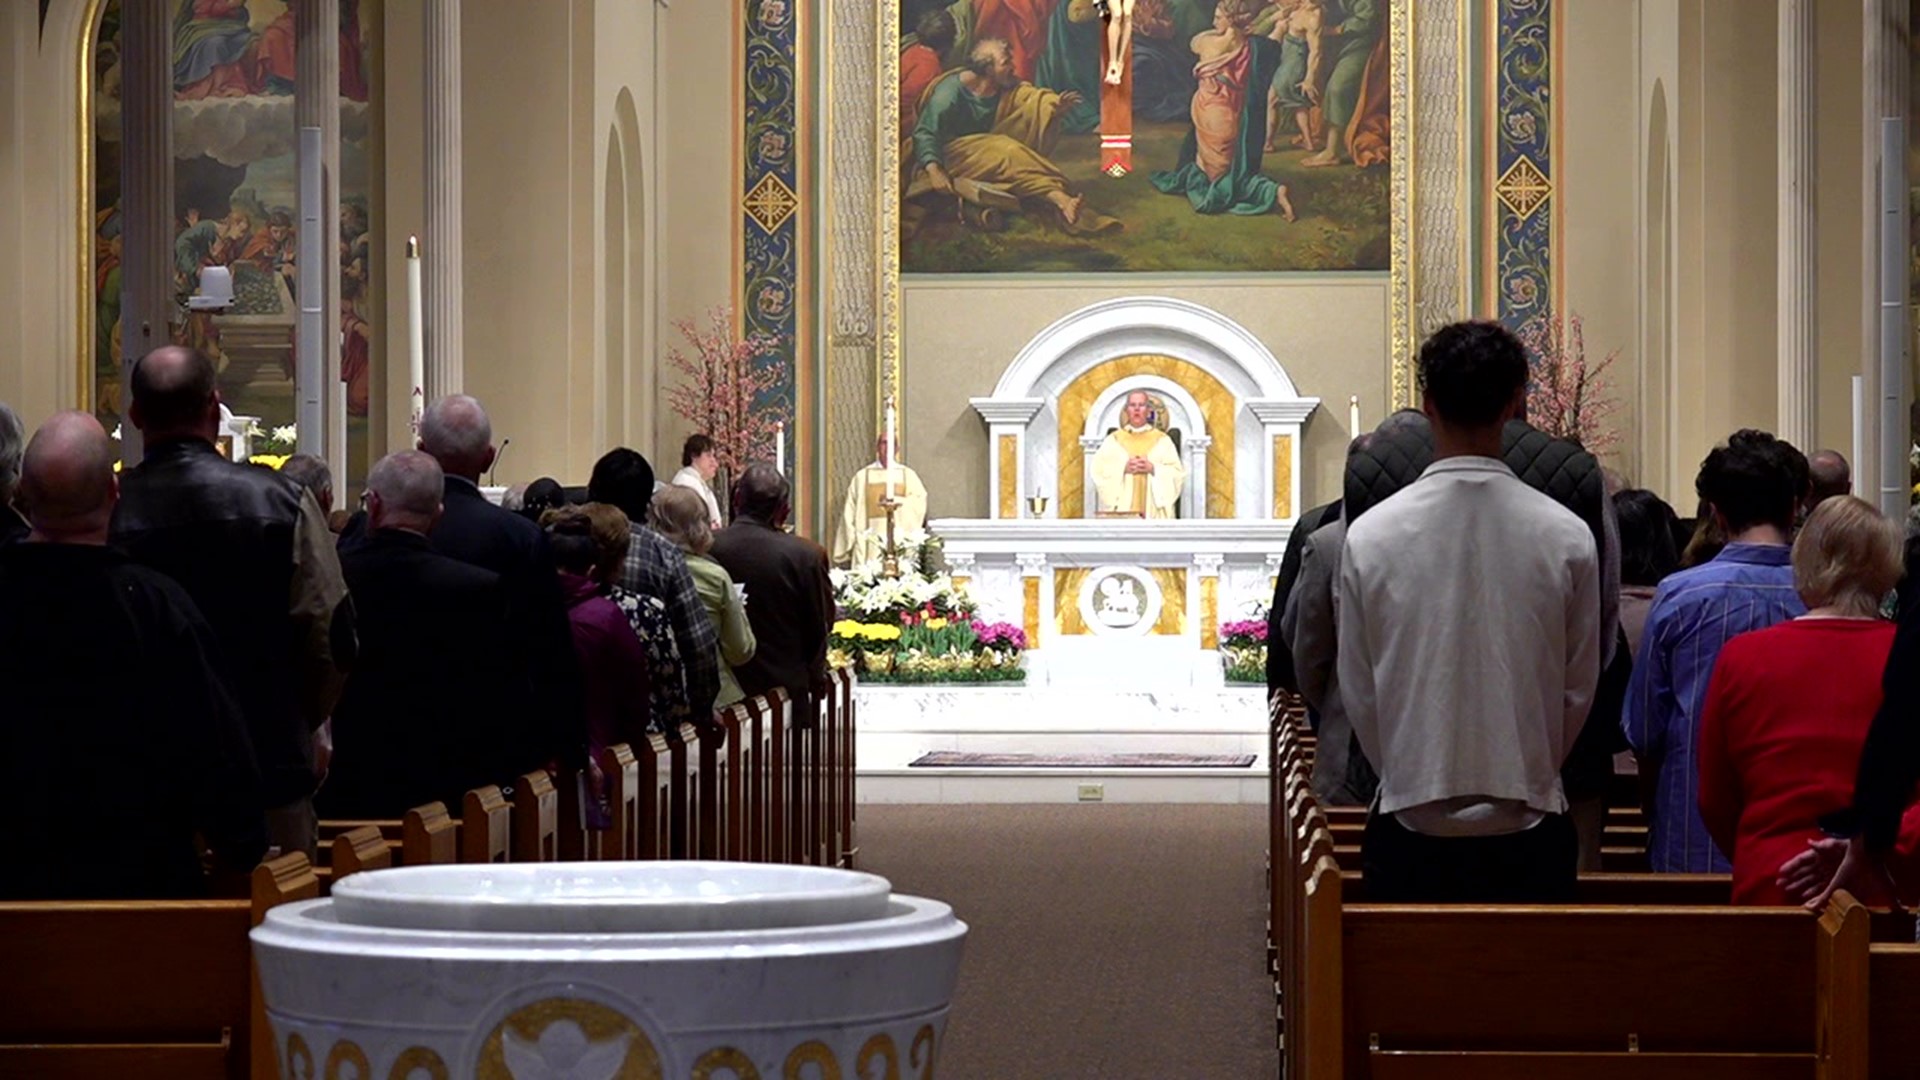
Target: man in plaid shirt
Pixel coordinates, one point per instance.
(656, 568)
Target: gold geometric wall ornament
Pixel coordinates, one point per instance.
(770, 203)
(1210, 611)
(1524, 188)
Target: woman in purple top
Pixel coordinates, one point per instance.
(589, 543)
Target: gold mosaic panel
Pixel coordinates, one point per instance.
(1282, 477)
(1009, 476)
(1216, 404)
(1031, 613)
(1210, 612)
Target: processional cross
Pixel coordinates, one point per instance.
(1116, 87)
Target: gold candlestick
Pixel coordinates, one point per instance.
(890, 555)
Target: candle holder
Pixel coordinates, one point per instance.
(890, 555)
(1037, 505)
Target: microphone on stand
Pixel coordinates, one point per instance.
(504, 443)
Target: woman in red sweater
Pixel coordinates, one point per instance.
(1788, 708)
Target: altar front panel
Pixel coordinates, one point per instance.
(1117, 604)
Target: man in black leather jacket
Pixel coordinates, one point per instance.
(253, 551)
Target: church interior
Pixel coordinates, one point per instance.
(1059, 326)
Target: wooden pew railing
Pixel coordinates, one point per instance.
(1646, 977)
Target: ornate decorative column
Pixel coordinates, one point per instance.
(442, 248)
(1007, 434)
(1795, 256)
(961, 567)
(148, 308)
(1881, 472)
(1195, 495)
(316, 103)
(1282, 422)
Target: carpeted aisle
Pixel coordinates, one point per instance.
(1108, 941)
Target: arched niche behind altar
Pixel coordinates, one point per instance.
(1239, 414)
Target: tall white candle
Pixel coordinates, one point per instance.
(416, 339)
(780, 447)
(1353, 415)
(893, 450)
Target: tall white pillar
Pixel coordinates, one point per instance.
(148, 305)
(1881, 471)
(1796, 348)
(316, 104)
(441, 246)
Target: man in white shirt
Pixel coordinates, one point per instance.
(1469, 649)
(699, 464)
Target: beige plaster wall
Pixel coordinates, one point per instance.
(697, 152)
(1598, 272)
(1330, 334)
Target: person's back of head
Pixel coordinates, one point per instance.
(175, 394)
(67, 480)
(459, 435)
(1831, 476)
(623, 478)
(1647, 550)
(311, 472)
(762, 494)
(1847, 558)
(1473, 376)
(404, 491)
(680, 515)
(588, 541)
(541, 496)
(1754, 480)
(13, 447)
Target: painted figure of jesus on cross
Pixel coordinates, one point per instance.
(1116, 87)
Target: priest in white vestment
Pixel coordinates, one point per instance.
(1137, 470)
(863, 521)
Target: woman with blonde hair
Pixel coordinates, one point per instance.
(1789, 707)
(680, 515)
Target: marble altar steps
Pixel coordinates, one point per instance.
(901, 724)
(1649, 977)
(164, 988)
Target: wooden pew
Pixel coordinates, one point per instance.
(832, 717)
(159, 989)
(429, 836)
(683, 793)
(621, 772)
(536, 819)
(486, 824)
(776, 719)
(358, 849)
(844, 683)
(655, 762)
(1635, 993)
(802, 822)
(722, 810)
(1893, 1004)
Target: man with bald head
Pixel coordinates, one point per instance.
(1832, 476)
(152, 755)
(253, 550)
(456, 432)
(421, 720)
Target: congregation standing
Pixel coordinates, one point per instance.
(1486, 625)
(204, 657)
